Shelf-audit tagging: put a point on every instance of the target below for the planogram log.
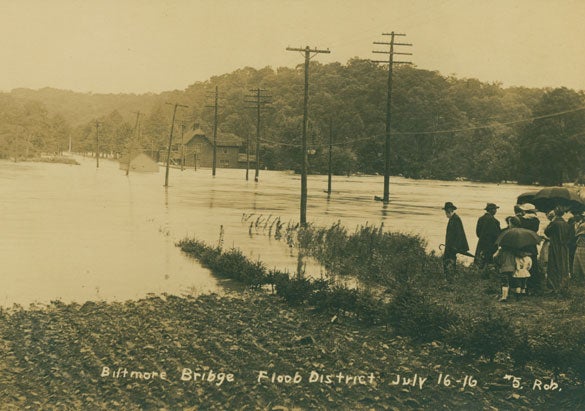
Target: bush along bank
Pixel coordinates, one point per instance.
(369, 254)
(410, 311)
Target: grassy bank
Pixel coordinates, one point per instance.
(53, 357)
(536, 333)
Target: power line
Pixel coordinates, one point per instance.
(507, 123)
(449, 131)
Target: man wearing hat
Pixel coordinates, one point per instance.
(455, 241)
(487, 231)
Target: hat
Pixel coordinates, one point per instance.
(527, 207)
(513, 221)
(449, 206)
(491, 206)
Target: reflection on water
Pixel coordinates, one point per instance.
(79, 233)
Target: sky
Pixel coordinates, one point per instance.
(139, 46)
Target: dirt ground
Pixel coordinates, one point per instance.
(246, 351)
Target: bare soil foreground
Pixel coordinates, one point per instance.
(216, 352)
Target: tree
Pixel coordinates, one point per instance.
(552, 146)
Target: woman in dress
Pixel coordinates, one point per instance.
(559, 234)
(579, 261)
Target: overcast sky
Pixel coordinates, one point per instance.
(111, 46)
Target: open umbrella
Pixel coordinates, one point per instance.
(518, 238)
(526, 197)
(548, 198)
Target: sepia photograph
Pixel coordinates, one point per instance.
(292, 205)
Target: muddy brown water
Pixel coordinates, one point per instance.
(78, 233)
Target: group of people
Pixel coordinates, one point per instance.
(560, 260)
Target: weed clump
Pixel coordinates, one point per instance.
(483, 336)
(412, 313)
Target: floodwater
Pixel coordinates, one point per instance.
(78, 233)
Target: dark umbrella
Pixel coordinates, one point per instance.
(548, 198)
(518, 238)
(526, 197)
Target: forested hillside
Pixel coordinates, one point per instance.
(442, 127)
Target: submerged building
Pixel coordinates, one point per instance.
(139, 162)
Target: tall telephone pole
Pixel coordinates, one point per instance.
(131, 142)
(182, 145)
(215, 107)
(259, 100)
(171, 141)
(390, 63)
(330, 156)
(97, 143)
(305, 163)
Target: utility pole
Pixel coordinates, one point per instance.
(305, 162)
(215, 107)
(247, 155)
(330, 155)
(182, 145)
(258, 99)
(390, 62)
(171, 141)
(97, 140)
(131, 142)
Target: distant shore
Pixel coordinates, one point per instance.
(48, 159)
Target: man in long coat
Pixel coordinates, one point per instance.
(559, 233)
(487, 231)
(455, 241)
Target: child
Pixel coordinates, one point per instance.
(505, 261)
(523, 263)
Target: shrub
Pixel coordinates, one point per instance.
(294, 290)
(562, 348)
(371, 310)
(335, 298)
(412, 313)
(485, 335)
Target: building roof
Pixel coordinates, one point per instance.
(135, 154)
(223, 139)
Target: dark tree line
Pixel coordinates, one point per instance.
(442, 127)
